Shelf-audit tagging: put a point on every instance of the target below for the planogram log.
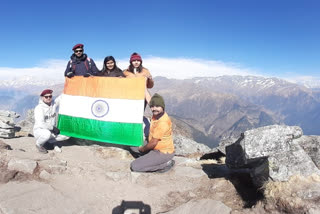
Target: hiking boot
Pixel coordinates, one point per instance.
(41, 149)
(170, 164)
(57, 149)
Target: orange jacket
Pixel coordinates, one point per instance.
(162, 129)
(144, 73)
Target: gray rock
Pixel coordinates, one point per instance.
(45, 175)
(11, 114)
(37, 197)
(314, 210)
(7, 125)
(116, 176)
(310, 193)
(189, 172)
(5, 146)
(311, 144)
(22, 165)
(5, 175)
(26, 125)
(270, 152)
(4, 125)
(8, 117)
(224, 143)
(185, 146)
(203, 206)
(7, 133)
(54, 166)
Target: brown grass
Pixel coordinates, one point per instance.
(291, 196)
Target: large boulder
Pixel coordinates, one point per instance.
(187, 147)
(311, 144)
(271, 152)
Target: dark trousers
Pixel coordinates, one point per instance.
(151, 161)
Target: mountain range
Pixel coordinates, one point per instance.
(223, 107)
(209, 110)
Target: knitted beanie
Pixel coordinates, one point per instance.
(135, 56)
(157, 100)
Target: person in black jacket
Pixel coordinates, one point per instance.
(110, 68)
(80, 64)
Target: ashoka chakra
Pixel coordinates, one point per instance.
(100, 108)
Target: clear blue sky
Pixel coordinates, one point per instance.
(271, 35)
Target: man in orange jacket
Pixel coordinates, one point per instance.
(157, 153)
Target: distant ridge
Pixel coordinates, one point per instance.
(213, 108)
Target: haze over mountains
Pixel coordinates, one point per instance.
(210, 109)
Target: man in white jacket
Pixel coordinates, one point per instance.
(45, 129)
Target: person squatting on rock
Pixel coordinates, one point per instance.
(44, 129)
(110, 68)
(80, 64)
(157, 153)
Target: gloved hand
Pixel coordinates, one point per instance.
(87, 75)
(70, 74)
(55, 130)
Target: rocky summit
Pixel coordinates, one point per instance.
(92, 177)
(97, 179)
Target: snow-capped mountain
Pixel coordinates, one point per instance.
(25, 81)
(228, 105)
(213, 108)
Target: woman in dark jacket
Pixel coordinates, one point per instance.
(110, 68)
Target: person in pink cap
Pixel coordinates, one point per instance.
(80, 64)
(44, 128)
(136, 69)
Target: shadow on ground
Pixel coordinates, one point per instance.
(240, 178)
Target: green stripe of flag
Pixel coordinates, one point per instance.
(102, 131)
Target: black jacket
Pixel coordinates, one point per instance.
(80, 66)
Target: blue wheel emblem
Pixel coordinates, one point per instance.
(100, 108)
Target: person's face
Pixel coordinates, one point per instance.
(136, 63)
(110, 64)
(78, 52)
(47, 99)
(156, 110)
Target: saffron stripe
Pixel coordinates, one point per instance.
(106, 87)
(109, 132)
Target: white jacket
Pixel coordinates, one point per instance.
(45, 115)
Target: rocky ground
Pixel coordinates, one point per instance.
(96, 179)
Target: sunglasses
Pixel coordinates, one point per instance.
(78, 51)
(50, 96)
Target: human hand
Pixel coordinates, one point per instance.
(87, 75)
(70, 74)
(55, 130)
(141, 149)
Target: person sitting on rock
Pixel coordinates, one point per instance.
(44, 129)
(156, 154)
(80, 64)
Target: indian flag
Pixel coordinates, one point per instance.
(105, 109)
